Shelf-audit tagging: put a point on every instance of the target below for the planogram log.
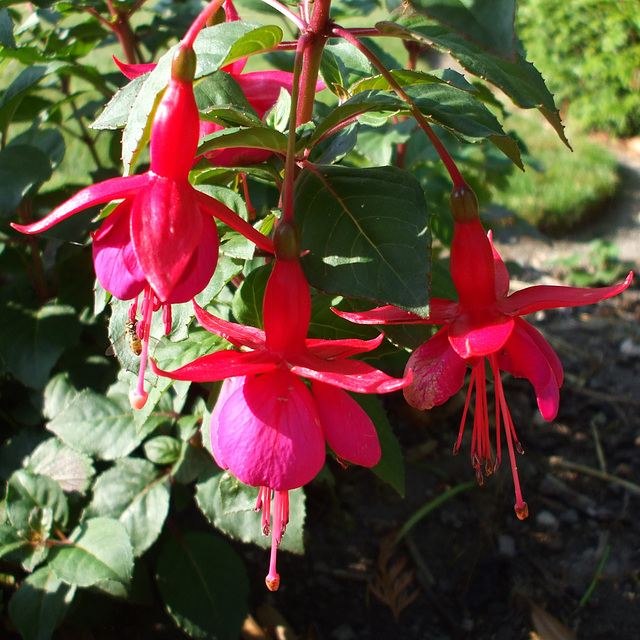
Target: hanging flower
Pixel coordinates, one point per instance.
(485, 324)
(162, 239)
(261, 88)
(268, 427)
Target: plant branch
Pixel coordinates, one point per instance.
(287, 13)
(456, 176)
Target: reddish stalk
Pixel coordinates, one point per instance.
(450, 165)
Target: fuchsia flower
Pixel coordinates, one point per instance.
(484, 323)
(268, 427)
(261, 88)
(162, 239)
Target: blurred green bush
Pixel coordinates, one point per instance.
(590, 56)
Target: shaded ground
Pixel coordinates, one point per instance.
(473, 570)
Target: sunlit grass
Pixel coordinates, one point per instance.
(562, 189)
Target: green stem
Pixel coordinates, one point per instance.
(450, 165)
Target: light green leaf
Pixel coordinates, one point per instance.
(28, 491)
(98, 550)
(97, 426)
(58, 393)
(71, 469)
(163, 449)
(230, 505)
(136, 493)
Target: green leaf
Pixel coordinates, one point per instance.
(22, 167)
(39, 604)
(17, 90)
(32, 340)
(96, 551)
(116, 113)
(488, 23)
(6, 30)
(204, 586)
(518, 79)
(27, 492)
(367, 233)
(71, 469)
(390, 469)
(97, 426)
(58, 393)
(252, 137)
(134, 492)
(221, 89)
(231, 506)
(163, 449)
(214, 47)
(246, 305)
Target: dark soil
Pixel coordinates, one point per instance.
(471, 569)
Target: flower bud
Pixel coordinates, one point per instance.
(183, 65)
(286, 240)
(463, 204)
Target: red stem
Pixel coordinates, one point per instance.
(317, 35)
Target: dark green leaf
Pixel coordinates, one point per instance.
(252, 137)
(488, 23)
(98, 550)
(231, 506)
(134, 492)
(163, 449)
(58, 393)
(247, 301)
(519, 79)
(32, 340)
(6, 30)
(17, 90)
(391, 465)
(204, 586)
(22, 167)
(367, 233)
(39, 604)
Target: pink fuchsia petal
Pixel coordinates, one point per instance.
(331, 349)
(545, 348)
(438, 373)
(212, 207)
(523, 358)
(133, 71)
(221, 365)
(262, 88)
(166, 228)
(479, 332)
(287, 307)
(174, 132)
(114, 261)
(269, 432)
(229, 386)
(441, 311)
(352, 375)
(541, 297)
(502, 274)
(346, 425)
(201, 267)
(472, 265)
(237, 334)
(112, 189)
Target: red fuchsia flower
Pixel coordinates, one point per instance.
(268, 427)
(161, 240)
(261, 88)
(485, 323)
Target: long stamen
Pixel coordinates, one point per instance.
(521, 508)
(138, 397)
(456, 447)
(280, 520)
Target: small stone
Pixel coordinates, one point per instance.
(546, 520)
(629, 348)
(506, 546)
(343, 632)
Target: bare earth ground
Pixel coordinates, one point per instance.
(474, 571)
